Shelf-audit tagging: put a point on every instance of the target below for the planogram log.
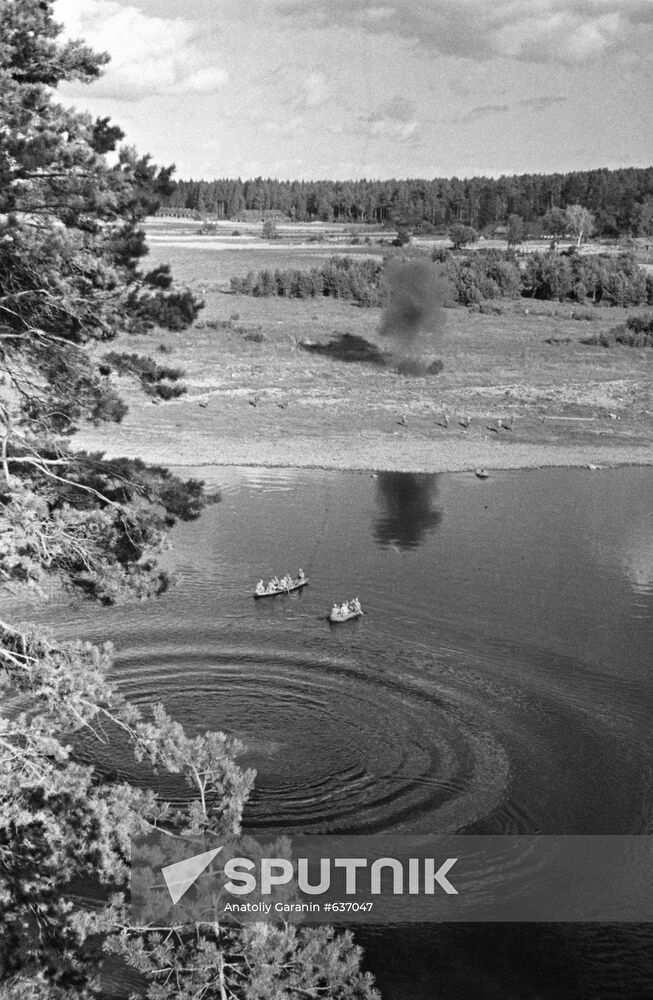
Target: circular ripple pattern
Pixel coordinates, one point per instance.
(337, 744)
(363, 731)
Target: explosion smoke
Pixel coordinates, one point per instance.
(411, 323)
(413, 318)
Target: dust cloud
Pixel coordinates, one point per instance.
(413, 318)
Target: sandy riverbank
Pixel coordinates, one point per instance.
(369, 453)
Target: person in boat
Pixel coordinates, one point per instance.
(344, 610)
(335, 611)
(260, 587)
(301, 575)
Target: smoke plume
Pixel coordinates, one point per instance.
(413, 318)
(411, 324)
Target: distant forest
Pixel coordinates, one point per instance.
(621, 200)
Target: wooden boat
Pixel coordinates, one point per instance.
(338, 616)
(295, 585)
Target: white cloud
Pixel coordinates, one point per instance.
(569, 35)
(149, 55)
(394, 120)
(533, 30)
(300, 86)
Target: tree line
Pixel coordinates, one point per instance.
(620, 200)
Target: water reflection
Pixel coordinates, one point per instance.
(409, 511)
(637, 557)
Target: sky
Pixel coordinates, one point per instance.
(344, 89)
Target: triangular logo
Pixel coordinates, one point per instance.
(180, 876)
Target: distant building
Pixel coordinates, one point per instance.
(261, 215)
(179, 213)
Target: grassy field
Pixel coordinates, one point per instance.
(254, 396)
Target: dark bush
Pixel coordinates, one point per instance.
(165, 391)
(339, 278)
(614, 280)
(174, 310)
(243, 286)
(146, 369)
(157, 380)
(159, 277)
(484, 274)
(265, 284)
(548, 276)
(637, 331)
(402, 238)
(641, 324)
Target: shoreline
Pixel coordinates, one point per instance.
(367, 455)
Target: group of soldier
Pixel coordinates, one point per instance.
(347, 608)
(277, 585)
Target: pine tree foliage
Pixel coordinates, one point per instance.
(70, 252)
(62, 822)
(70, 236)
(257, 962)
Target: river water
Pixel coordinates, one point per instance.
(500, 682)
